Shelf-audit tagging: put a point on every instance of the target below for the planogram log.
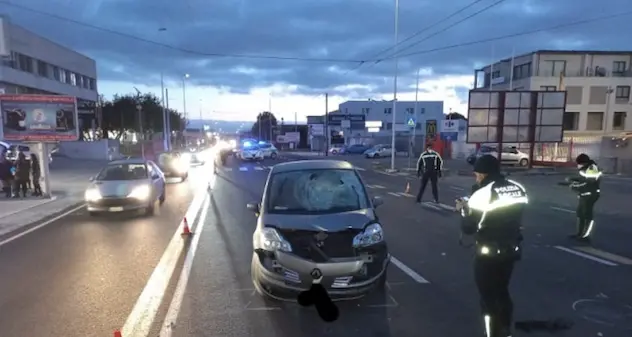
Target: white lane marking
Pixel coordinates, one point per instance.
(228, 169)
(586, 256)
(360, 168)
(176, 302)
(447, 207)
(413, 274)
(243, 168)
(431, 204)
(394, 194)
(562, 209)
(386, 173)
(369, 186)
(259, 168)
(139, 322)
(456, 188)
(606, 255)
(43, 224)
(408, 195)
(379, 186)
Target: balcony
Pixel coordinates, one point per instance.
(588, 72)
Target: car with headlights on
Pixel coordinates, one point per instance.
(126, 185)
(174, 164)
(251, 152)
(316, 223)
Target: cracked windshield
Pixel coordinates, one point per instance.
(238, 168)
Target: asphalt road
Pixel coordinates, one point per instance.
(81, 275)
(555, 279)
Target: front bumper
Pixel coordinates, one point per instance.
(284, 275)
(116, 205)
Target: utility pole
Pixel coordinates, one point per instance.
(139, 108)
(326, 124)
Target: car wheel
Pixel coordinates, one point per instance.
(163, 197)
(93, 213)
(151, 209)
(334, 152)
(376, 156)
(273, 155)
(524, 162)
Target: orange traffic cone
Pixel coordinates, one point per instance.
(117, 334)
(407, 188)
(185, 227)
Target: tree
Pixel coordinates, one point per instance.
(120, 115)
(263, 128)
(455, 115)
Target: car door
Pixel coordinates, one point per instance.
(152, 172)
(509, 155)
(266, 149)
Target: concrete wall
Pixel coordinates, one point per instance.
(105, 149)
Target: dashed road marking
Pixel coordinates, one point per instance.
(259, 168)
(243, 169)
(432, 205)
(457, 188)
(586, 256)
(360, 168)
(605, 255)
(375, 186)
(394, 194)
(229, 169)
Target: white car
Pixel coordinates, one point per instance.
(337, 149)
(252, 152)
(510, 156)
(126, 185)
(269, 150)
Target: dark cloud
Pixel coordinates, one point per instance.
(341, 29)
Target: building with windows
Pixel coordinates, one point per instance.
(36, 65)
(597, 84)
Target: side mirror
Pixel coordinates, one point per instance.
(253, 206)
(377, 201)
(155, 176)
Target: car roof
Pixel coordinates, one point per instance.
(318, 164)
(128, 161)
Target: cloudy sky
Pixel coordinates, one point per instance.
(243, 55)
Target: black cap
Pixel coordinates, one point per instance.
(582, 159)
(487, 164)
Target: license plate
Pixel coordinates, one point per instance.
(116, 209)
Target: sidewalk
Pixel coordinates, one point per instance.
(69, 178)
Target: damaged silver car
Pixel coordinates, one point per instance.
(316, 223)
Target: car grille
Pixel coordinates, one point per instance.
(118, 202)
(336, 245)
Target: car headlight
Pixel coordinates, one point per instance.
(371, 235)
(140, 192)
(270, 240)
(92, 194)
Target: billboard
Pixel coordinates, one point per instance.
(516, 116)
(39, 118)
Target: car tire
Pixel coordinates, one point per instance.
(273, 155)
(334, 152)
(163, 197)
(523, 162)
(151, 209)
(93, 213)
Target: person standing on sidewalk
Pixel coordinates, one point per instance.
(36, 174)
(429, 166)
(6, 176)
(22, 175)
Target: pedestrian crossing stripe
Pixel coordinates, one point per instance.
(360, 169)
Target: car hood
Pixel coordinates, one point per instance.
(117, 188)
(329, 222)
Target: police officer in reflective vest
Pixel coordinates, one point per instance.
(493, 215)
(586, 184)
(429, 166)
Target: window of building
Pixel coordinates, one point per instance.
(548, 88)
(388, 110)
(68, 76)
(496, 74)
(86, 82)
(25, 63)
(79, 81)
(618, 68)
(594, 121)
(93, 84)
(73, 79)
(570, 121)
(62, 75)
(522, 71)
(553, 68)
(56, 73)
(410, 110)
(42, 68)
(623, 92)
(618, 120)
(366, 111)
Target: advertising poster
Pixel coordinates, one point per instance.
(39, 118)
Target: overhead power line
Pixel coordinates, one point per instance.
(184, 50)
(417, 33)
(399, 51)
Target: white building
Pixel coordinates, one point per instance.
(597, 83)
(36, 65)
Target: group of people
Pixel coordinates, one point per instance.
(492, 215)
(19, 176)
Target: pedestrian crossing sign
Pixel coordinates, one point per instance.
(411, 122)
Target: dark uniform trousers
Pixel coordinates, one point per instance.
(492, 275)
(585, 210)
(433, 177)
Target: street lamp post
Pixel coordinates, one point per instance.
(184, 95)
(166, 134)
(139, 109)
(394, 112)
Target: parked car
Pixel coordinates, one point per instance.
(379, 151)
(299, 238)
(356, 149)
(269, 150)
(337, 149)
(250, 152)
(126, 185)
(510, 155)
